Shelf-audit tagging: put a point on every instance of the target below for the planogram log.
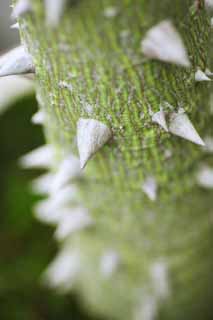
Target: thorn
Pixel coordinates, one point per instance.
(208, 73)
(110, 12)
(42, 157)
(208, 144)
(38, 117)
(159, 274)
(68, 170)
(15, 26)
(17, 61)
(180, 125)
(163, 42)
(42, 184)
(201, 76)
(109, 263)
(12, 88)
(74, 219)
(209, 4)
(21, 8)
(149, 187)
(168, 153)
(40, 100)
(44, 213)
(159, 118)
(61, 199)
(54, 11)
(64, 269)
(148, 308)
(205, 177)
(50, 210)
(91, 136)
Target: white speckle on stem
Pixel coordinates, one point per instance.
(109, 263)
(149, 187)
(205, 177)
(66, 85)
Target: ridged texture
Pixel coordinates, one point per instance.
(112, 81)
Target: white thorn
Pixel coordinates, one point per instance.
(45, 214)
(40, 100)
(66, 85)
(38, 117)
(91, 136)
(159, 118)
(163, 42)
(205, 177)
(208, 72)
(42, 184)
(50, 210)
(63, 271)
(68, 170)
(159, 274)
(54, 11)
(15, 26)
(21, 7)
(42, 157)
(12, 88)
(201, 76)
(180, 125)
(110, 12)
(109, 263)
(147, 309)
(208, 144)
(150, 187)
(17, 61)
(209, 4)
(73, 220)
(181, 110)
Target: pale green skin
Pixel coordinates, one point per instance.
(177, 227)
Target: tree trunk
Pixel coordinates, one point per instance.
(148, 253)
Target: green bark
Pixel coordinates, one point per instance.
(101, 57)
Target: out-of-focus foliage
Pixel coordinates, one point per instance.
(26, 246)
